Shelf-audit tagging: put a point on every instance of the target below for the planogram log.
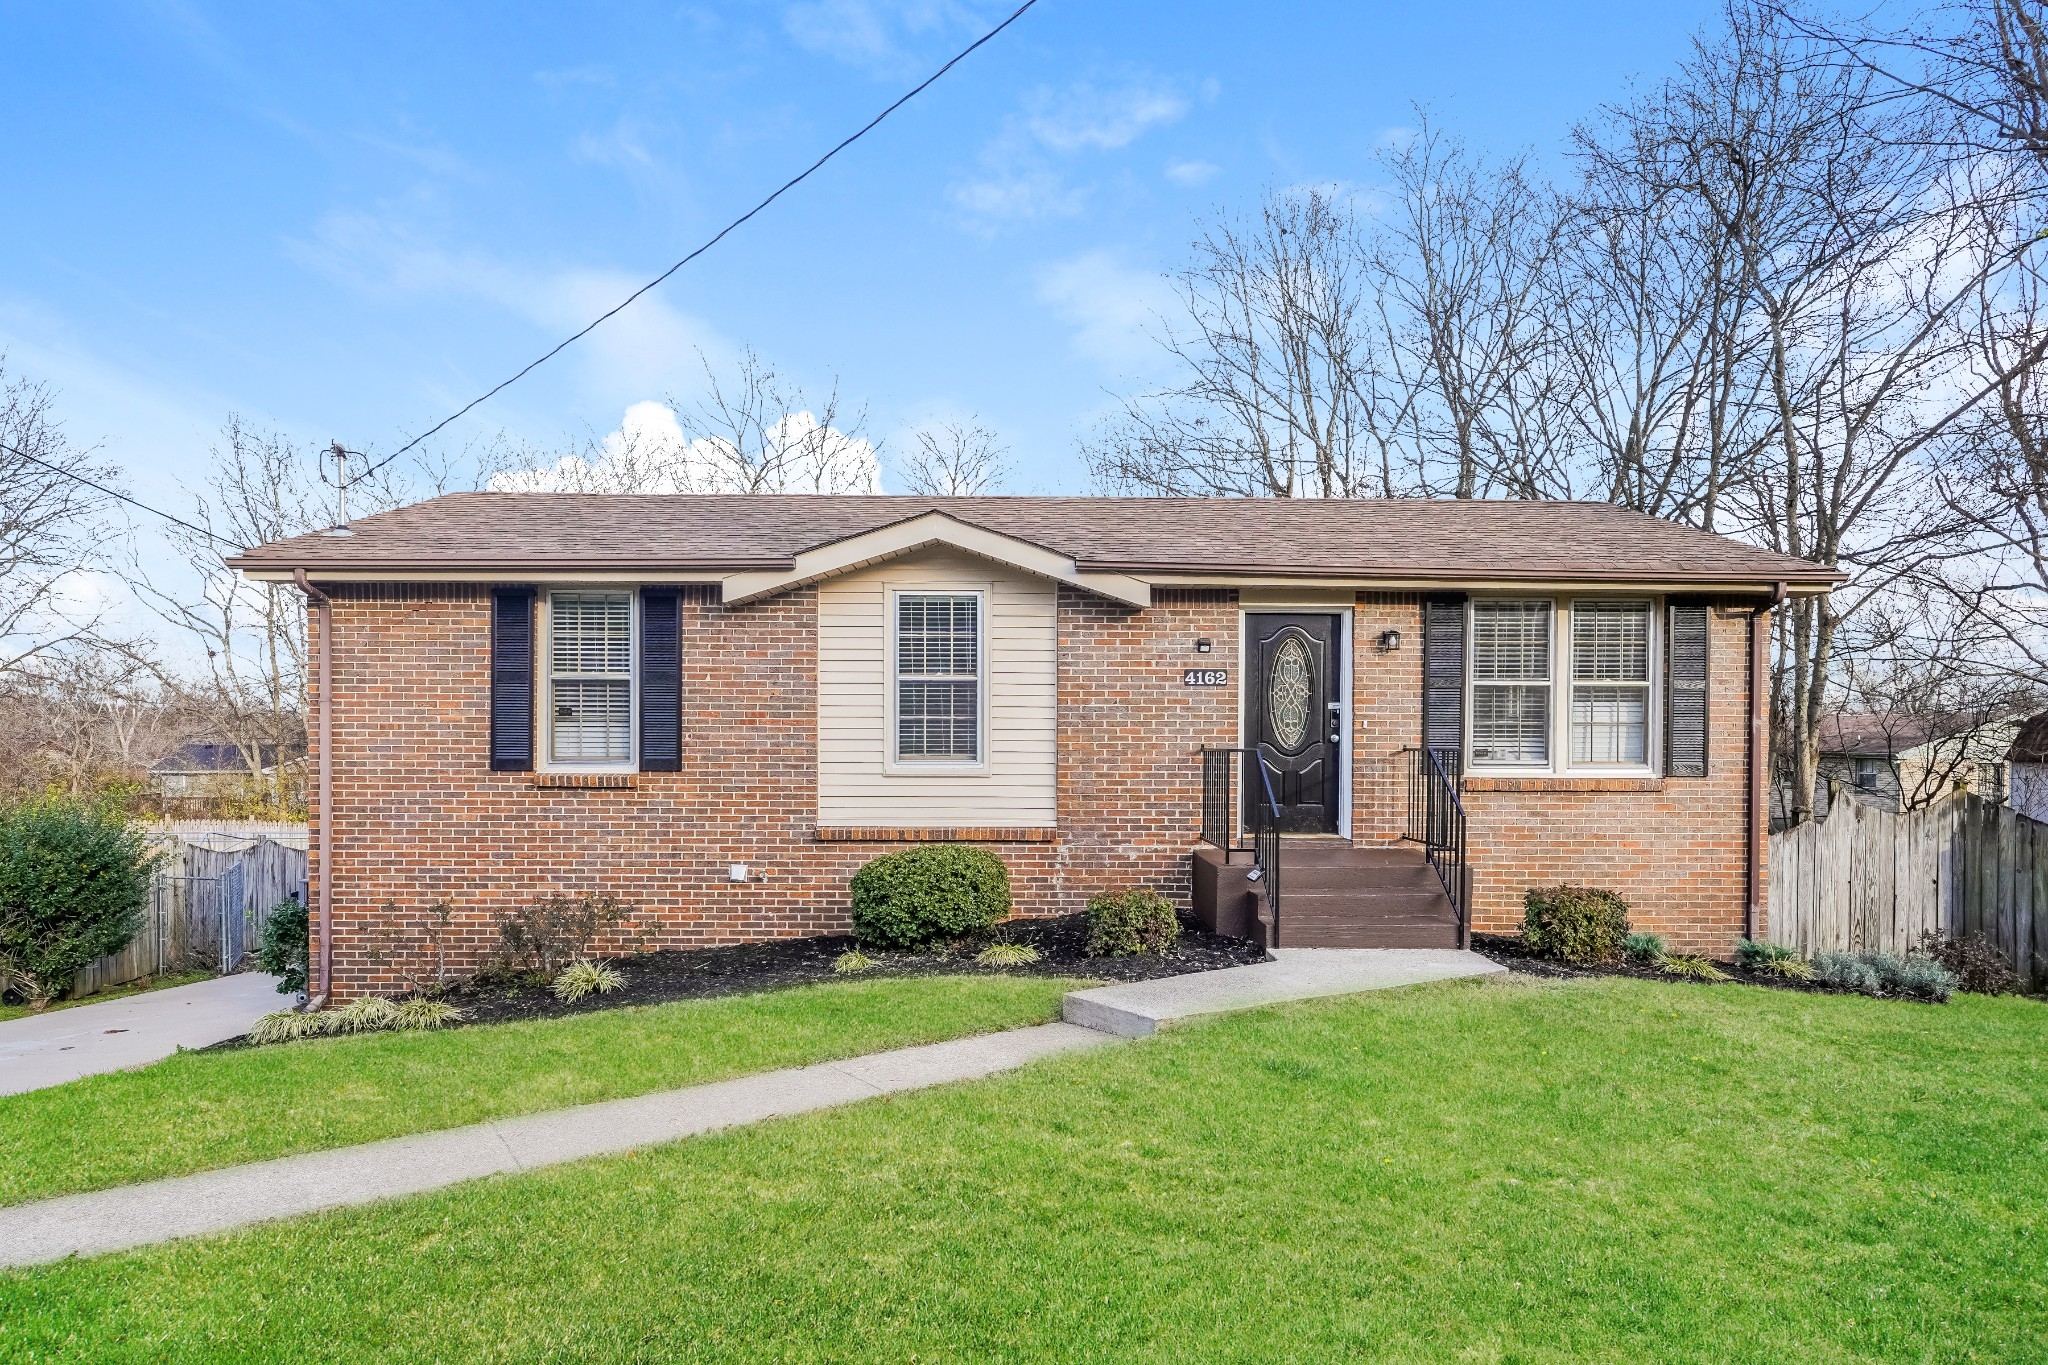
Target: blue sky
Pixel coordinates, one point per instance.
(347, 221)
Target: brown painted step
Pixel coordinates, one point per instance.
(1334, 894)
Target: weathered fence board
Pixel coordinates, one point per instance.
(1867, 879)
(182, 928)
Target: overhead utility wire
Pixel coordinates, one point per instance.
(115, 493)
(787, 186)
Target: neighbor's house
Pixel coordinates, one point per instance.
(717, 708)
(2027, 768)
(1897, 758)
(195, 778)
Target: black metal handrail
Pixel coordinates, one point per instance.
(1436, 820)
(1226, 774)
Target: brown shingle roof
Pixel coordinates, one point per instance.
(498, 533)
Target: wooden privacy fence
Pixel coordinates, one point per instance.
(1868, 879)
(207, 906)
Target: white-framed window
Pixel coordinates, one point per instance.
(937, 678)
(1510, 668)
(590, 655)
(1560, 686)
(1610, 716)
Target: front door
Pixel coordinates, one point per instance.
(1292, 675)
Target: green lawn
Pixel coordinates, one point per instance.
(155, 983)
(204, 1109)
(1603, 1169)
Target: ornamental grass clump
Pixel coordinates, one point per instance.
(1772, 959)
(421, 1013)
(1690, 967)
(1007, 952)
(852, 962)
(286, 1026)
(1582, 925)
(583, 978)
(929, 895)
(1130, 923)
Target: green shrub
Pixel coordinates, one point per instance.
(1690, 967)
(283, 951)
(1577, 924)
(1127, 923)
(1643, 947)
(930, 894)
(584, 977)
(1905, 975)
(74, 880)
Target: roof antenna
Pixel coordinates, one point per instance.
(340, 453)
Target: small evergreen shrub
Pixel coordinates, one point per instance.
(584, 977)
(1127, 923)
(930, 894)
(1976, 962)
(1690, 967)
(1576, 924)
(1643, 947)
(74, 880)
(284, 949)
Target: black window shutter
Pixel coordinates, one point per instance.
(512, 680)
(1443, 673)
(1685, 690)
(661, 680)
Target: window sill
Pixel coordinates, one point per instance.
(586, 781)
(947, 834)
(1551, 783)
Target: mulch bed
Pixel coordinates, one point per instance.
(701, 973)
(1510, 952)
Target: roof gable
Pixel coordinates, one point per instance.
(921, 532)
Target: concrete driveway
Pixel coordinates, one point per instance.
(85, 1040)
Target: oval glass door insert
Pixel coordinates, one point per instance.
(1287, 693)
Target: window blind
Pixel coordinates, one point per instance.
(590, 683)
(1511, 683)
(938, 677)
(1610, 702)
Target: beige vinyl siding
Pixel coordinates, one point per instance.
(1017, 785)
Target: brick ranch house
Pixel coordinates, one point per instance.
(716, 708)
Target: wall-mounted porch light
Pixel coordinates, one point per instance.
(1203, 646)
(1390, 640)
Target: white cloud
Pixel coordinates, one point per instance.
(875, 35)
(650, 453)
(1020, 177)
(1111, 306)
(1191, 173)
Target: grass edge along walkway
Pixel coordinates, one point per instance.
(208, 1110)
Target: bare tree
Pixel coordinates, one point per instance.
(751, 431)
(955, 459)
(52, 528)
(1273, 345)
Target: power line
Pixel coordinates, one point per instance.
(787, 186)
(116, 493)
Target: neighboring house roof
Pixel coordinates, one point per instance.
(209, 758)
(2030, 745)
(1887, 733)
(763, 536)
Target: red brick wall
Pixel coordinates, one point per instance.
(1673, 847)
(419, 818)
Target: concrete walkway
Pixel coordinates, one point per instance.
(85, 1040)
(215, 1201)
(1138, 1008)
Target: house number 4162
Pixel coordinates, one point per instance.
(1205, 677)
